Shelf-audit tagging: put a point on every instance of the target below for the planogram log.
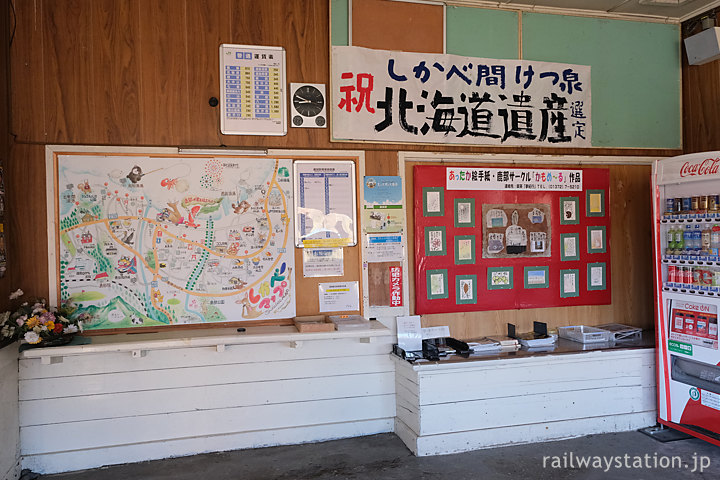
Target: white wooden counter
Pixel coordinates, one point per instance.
(133, 397)
(445, 407)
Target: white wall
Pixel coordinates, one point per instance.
(116, 408)
(9, 427)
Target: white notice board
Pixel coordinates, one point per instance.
(252, 90)
(325, 210)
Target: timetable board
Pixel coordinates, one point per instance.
(252, 90)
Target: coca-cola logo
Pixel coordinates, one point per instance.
(709, 166)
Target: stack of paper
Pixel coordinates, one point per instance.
(484, 345)
(507, 344)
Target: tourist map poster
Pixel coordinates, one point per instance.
(155, 241)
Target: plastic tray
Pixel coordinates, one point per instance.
(585, 334)
(620, 332)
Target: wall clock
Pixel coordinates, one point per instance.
(308, 105)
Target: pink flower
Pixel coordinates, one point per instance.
(46, 317)
(20, 322)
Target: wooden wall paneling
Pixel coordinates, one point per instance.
(27, 219)
(631, 267)
(381, 162)
(5, 282)
(164, 68)
(116, 58)
(700, 100)
(27, 77)
(301, 27)
(208, 26)
(631, 242)
(69, 74)
(405, 26)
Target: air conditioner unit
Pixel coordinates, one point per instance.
(703, 47)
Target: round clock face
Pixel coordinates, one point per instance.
(308, 101)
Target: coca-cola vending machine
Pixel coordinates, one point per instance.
(686, 237)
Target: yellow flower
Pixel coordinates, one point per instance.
(50, 325)
(32, 322)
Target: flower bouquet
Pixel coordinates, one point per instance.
(36, 323)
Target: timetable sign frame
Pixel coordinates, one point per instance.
(252, 90)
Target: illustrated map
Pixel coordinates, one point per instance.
(152, 241)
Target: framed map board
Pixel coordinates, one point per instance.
(158, 240)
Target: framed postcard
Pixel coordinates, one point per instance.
(569, 211)
(537, 277)
(437, 284)
(596, 274)
(569, 246)
(464, 212)
(596, 239)
(465, 289)
(569, 286)
(500, 278)
(433, 201)
(464, 249)
(435, 241)
(595, 203)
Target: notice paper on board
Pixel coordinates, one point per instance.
(409, 333)
(339, 297)
(322, 262)
(383, 247)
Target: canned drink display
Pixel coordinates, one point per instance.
(669, 205)
(686, 204)
(703, 203)
(672, 271)
(714, 203)
(678, 205)
(695, 203)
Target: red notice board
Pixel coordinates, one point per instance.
(516, 242)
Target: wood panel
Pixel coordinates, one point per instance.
(27, 74)
(68, 51)
(206, 401)
(27, 219)
(164, 69)
(5, 282)
(700, 100)
(631, 267)
(208, 25)
(116, 47)
(408, 27)
(523, 400)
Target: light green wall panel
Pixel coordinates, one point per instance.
(635, 74)
(476, 32)
(339, 23)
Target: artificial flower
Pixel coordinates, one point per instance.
(70, 329)
(58, 328)
(16, 294)
(50, 326)
(47, 317)
(32, 322)
(32, 338)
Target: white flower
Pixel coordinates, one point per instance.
(32, 337)
(16, 294)
(70, 329)
(37, 329)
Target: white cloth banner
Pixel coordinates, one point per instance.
(381, 95)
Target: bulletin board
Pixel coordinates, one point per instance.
(146, 241)
(478, 250)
